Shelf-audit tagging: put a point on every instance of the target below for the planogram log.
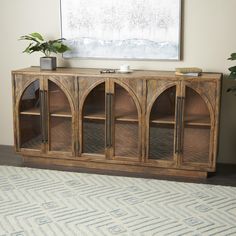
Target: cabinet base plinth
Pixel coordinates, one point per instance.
(109, 168)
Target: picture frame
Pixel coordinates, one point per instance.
(122, 29)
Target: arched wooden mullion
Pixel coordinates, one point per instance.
(152, 102)
(132, 94)
(66, 92)
(19, 98)
(206, 101)
(83, 99)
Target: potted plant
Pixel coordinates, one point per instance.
(232, 72)
(38, 44)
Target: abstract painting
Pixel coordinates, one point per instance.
(122, 29)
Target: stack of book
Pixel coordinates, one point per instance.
(188, 71)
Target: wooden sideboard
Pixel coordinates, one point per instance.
(149, 122)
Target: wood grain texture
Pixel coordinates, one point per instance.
(143, 108)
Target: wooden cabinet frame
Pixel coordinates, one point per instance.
(149, 120)
(43, 113)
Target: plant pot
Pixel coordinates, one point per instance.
(48, 63)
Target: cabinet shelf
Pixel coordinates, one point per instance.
(94, 115)
(197, 120)
(194, 120)
(99, 115)
(60, 112)
(168, 119)
(127, 116)
(32, 112)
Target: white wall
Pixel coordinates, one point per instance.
(209, 36)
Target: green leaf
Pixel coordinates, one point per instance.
(27, 37)
(63, 48)
(233, 69)
(38, 44)
(27, 50)
(232, 57)
(56, 45)
(37, 36)
(35, 48)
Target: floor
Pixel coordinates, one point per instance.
(225, 174)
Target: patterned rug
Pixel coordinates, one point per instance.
(46, 202)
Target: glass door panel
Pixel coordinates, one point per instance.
(161, 141)
(58, 101)
(196, 144)
(197, 128)
(94, 136)
(61, 134)
(60, 119)
(94, 121)
(126, 124)
(30, 132)
(30, 127)
(162, 126)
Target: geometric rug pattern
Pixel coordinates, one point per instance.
(55, 203)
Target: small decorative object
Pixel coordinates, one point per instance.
(232, 73)
(188, 71)
(38, 44)
(124, 69)
(107, 71)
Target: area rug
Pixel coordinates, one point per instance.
(47, 202)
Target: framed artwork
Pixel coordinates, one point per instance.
(122, 29)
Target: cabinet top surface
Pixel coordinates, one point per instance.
(87, 72)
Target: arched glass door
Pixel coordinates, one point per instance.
(60, 119)
(126, 128)
(197, 128)
(29, 117)
(162, 126)
(93, 116)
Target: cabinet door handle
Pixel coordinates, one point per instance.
(181, 125)
(42, 126)
(177, 125)
(107, 133)
(111, 117)
(45, 117)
